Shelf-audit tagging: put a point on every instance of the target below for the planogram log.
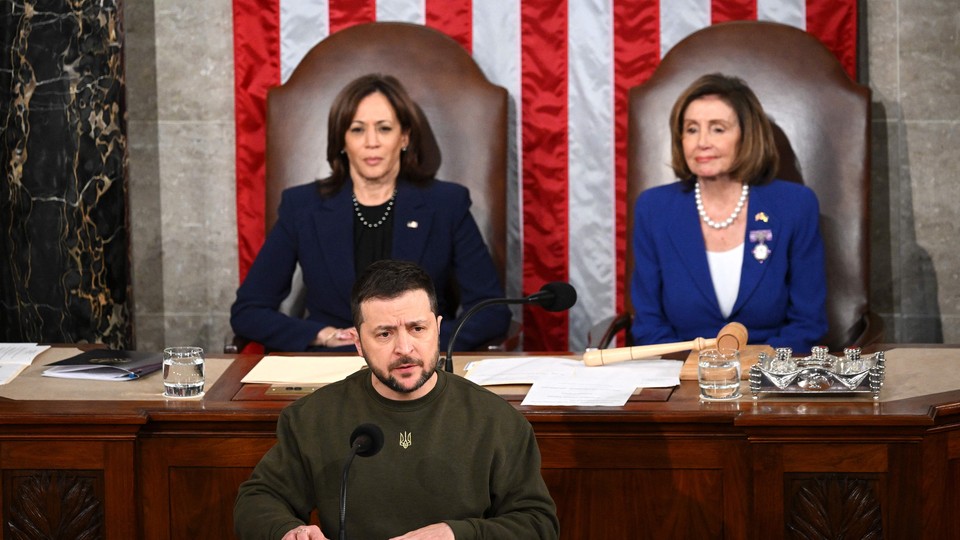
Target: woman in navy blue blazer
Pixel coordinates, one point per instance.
(378, 203)
(728, 242)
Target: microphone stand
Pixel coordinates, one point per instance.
(366, 441)
(555, 296)
(448, 360)
(343, 493)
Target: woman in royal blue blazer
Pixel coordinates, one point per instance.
(378, 203)
(728, 242)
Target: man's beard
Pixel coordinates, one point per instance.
(392, 383)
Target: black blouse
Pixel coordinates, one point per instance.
(371, 244)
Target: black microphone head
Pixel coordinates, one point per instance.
(366, 440)
(560, 296)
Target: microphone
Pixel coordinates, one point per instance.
(554, 296)
(365, 441)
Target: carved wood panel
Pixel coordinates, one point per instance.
(833, 506)
(45, 504)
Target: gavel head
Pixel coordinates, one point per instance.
(732, 336)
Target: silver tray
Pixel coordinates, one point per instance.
(817, 374)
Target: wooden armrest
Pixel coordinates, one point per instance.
(509, 342)
(234, 344)
(872, 333)
(602, 333)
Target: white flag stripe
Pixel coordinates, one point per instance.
(496, 48)
(792, 12)
(591, 203)
(411, 11)
(303, 24)
(679, 19)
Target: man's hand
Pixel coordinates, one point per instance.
(437, 531)
(306, 532)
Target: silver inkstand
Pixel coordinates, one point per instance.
(819, 373)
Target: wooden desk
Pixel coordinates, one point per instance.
(679, 468)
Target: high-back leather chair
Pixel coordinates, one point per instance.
(466, 119)
(821, 122)
(466, 113)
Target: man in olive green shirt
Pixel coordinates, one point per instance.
(457, 462)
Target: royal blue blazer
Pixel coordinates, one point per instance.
(781, 300)
(432, 227)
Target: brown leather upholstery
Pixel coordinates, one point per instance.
(822, 123)
(467, 114)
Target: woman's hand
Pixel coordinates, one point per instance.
(331, 337)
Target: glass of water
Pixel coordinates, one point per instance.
(719, 374)
(183, 372)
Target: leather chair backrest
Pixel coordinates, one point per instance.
(466, 113)
(821, 120)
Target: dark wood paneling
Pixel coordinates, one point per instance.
(651, 469)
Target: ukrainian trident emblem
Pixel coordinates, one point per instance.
(406, 439)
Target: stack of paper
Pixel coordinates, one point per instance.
(106, 365)
(303, 370)
(566, 381)
(16, 357)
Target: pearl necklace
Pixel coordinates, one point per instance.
(727, 222)
(356, 210)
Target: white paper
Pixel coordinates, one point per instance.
(20, 353)
(303, 370)
(519, 369)
(15, 357)
(566, 381)
(566, 391)
(641, 373)
(96, 373)
(652, 373)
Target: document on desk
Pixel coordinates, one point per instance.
(519, 370)
(565, 381)
(16, 357)
(106, 365)
(303, 369)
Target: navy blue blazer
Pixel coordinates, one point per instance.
(781, 300)
(432, 226)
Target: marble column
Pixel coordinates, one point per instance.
(64, 264)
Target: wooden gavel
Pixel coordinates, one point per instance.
(731, 336)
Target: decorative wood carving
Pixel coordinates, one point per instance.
(54, 504)
(834, 506)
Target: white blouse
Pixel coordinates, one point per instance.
(725, 269)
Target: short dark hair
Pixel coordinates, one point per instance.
(388, 279)
(757, 158)
(343, 110)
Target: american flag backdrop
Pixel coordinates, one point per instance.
(568, 65)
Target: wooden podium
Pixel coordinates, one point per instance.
(662, 466)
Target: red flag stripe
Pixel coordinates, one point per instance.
(347, 13)
(733, 10)
(835, 24)
(543, 51)
(454, 18)
(636, 46)
(256, 53)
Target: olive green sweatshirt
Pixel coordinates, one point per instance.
(460, 454)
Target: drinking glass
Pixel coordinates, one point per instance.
(718, 372)
(183, 372)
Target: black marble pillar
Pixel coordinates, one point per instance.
(64, 265)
